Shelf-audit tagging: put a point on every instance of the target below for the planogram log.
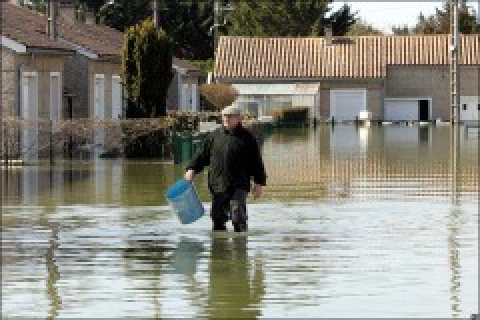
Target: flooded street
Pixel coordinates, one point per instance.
(354, 223)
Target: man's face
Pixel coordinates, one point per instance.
(230, 121)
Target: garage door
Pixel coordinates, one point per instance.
(469, 108)
(347, 104)
(401, 110)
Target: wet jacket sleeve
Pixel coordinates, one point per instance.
(202, 158)
(257, 169)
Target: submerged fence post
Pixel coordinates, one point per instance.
(51, 142)
(5, 146)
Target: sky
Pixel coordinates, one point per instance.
(385, 14)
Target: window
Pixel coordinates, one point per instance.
(478, 107)
(464, 106)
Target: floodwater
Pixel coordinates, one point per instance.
(354, 222)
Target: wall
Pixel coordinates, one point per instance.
(173, 98)
(375, 94)
(42, 64)
(431, 81)
(107, 69)
(76, 83)
(9, 76)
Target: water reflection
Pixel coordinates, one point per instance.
(346, 162)
(389, 162)
(236, 284)
(96, 238)
(186, 256)
(53, 275)
(454, 260)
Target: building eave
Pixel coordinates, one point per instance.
(283, 80)
(13, 45)
(80, 49)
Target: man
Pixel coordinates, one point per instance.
(234, 158)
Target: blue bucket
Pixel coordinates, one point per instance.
(183, 199)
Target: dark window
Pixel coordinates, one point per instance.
(464, 106)
(478, 107)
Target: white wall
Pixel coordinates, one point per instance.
(469, 108)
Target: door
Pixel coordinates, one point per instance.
(347, 104)
(29, 113)
(401, 109)
(423, 110)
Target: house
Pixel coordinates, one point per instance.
(390, 77)
(82, 63)
(183, 93)
(33, 67)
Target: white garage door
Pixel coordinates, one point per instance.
(469, 108)
(347, 104)
(401, 110)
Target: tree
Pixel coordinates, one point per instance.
(122, 14)
(37, 5)
(188, 22)
(439, 22)
(95, 5)
(288, 18)
(401, 30)
(147, 69)
(363, 28)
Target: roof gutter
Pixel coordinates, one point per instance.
(41, 50)
(288, 80)
(81, 50)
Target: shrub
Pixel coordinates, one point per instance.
(219, 95)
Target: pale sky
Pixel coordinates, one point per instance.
(385, 14)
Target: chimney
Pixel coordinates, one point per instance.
(66, 10)
(89, 16)
(52, 19)
(328, 35)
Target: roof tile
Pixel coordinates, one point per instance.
(347, 57)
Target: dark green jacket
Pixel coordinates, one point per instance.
(234, 159)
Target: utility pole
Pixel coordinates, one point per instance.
(217, 11)
(478, 16)
(454, 102)
(454, 63)
(155, 13)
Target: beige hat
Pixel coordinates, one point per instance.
(231, 110)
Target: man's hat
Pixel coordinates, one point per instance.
(232, 110)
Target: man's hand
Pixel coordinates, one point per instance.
(189, 175)
(256, 191)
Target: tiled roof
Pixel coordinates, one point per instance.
(27, 27)
(186, 65)
(347, 57)
(99, 39)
